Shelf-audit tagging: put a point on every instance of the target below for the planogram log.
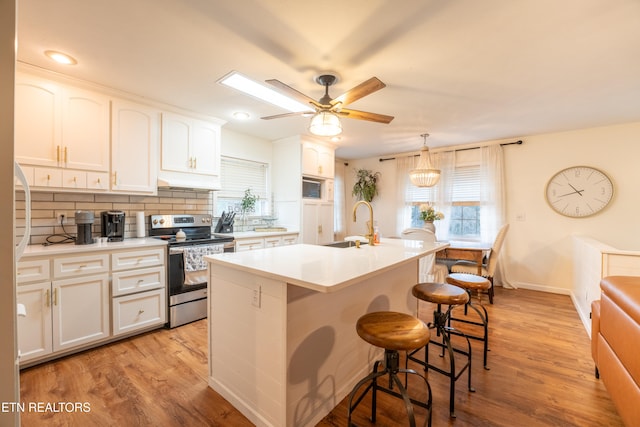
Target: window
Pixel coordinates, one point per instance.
(464, 212)
(237, 176)
(464, 219)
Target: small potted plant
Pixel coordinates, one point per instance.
(248, 204)
(428, 214)
(365, 187)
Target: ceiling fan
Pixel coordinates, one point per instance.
(325, 120)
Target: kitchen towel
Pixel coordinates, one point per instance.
(140, 229)
(195, 267)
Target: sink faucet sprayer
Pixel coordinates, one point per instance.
(355, 207)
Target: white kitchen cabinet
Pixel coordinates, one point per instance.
(317, 222)
(69, 311)
(318, 160)
(72, 125)
(289, 239)
(69, 146)
(190, 151)
(249, 244)
(138, 289)
(135, 139)
(34, 329)
(80, 311)
(272, 241)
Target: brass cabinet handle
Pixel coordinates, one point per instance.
(66, 155)
(115, 178)
(195, 163)
(55, 296)
(47, 301)
(140, 311)
(58, 153)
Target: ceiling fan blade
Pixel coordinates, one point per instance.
(360, 91)
(291, 92)
(364, 115)
(279, 116)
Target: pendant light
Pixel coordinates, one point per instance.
(424, 175)
(325, 123)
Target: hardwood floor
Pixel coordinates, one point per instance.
(541, 375)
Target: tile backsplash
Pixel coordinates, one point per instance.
(47, 206)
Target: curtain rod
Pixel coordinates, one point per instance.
(518, 142)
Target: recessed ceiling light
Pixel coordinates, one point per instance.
(241, 115)
(246, 85)
(61, 58)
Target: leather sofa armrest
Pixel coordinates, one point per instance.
(595, 330)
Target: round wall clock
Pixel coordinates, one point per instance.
(579, 191)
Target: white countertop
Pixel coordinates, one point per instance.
(323, 268)
(70, 248)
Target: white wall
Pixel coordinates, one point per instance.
(246, 147)
(538, 249)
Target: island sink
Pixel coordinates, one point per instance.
(345, 244)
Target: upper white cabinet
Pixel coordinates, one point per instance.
(318, 160)
(72, 128)
(190, 153)
(135, 137)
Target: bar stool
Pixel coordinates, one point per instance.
(452, 296)
(473, 283)
(393, 332)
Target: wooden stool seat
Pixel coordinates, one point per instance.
(440, 293)
(393, 331)
(468, 281)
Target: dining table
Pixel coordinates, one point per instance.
(465, 250)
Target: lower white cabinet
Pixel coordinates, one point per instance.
(75, 301)
(251, 243)
(62, 314)
(137, 311)
(138, 289)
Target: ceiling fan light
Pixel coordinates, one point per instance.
(424, 175)
(325, 123)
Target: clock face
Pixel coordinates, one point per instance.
(579, 191)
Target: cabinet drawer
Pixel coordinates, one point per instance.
(249, 244)
(80, 265)
(132, 312)
(127, 282)
(136, 259)
(33, 271)
(272, 242)
(291, 239)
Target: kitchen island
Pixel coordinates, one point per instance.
(283, 348)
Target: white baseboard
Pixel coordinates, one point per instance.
(542, 288)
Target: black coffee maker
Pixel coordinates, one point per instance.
(113, 225)
(84, 221)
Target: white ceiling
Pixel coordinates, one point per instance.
(462, 70)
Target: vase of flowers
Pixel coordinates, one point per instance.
(428, 214)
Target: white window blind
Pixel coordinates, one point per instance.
(466, 184)
(238, 175)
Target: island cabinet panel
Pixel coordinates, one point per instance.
(285, 354)
(247, 360)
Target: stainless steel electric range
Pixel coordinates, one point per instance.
(186, 269)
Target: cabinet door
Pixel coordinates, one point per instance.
(175, 154)
(80, 311)
(310, 226)
(85, 130)
(134, 147)
(272, 242)
(310, 160)
(249, 244)
(326, 160)
(205, 148)
(325, 220)
(138, 311)
(34, 330)
(37, 101)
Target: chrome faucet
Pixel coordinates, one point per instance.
(355, 207)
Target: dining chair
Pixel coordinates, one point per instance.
(488, 268)
(430, 270)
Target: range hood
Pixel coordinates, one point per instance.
(197, 183)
